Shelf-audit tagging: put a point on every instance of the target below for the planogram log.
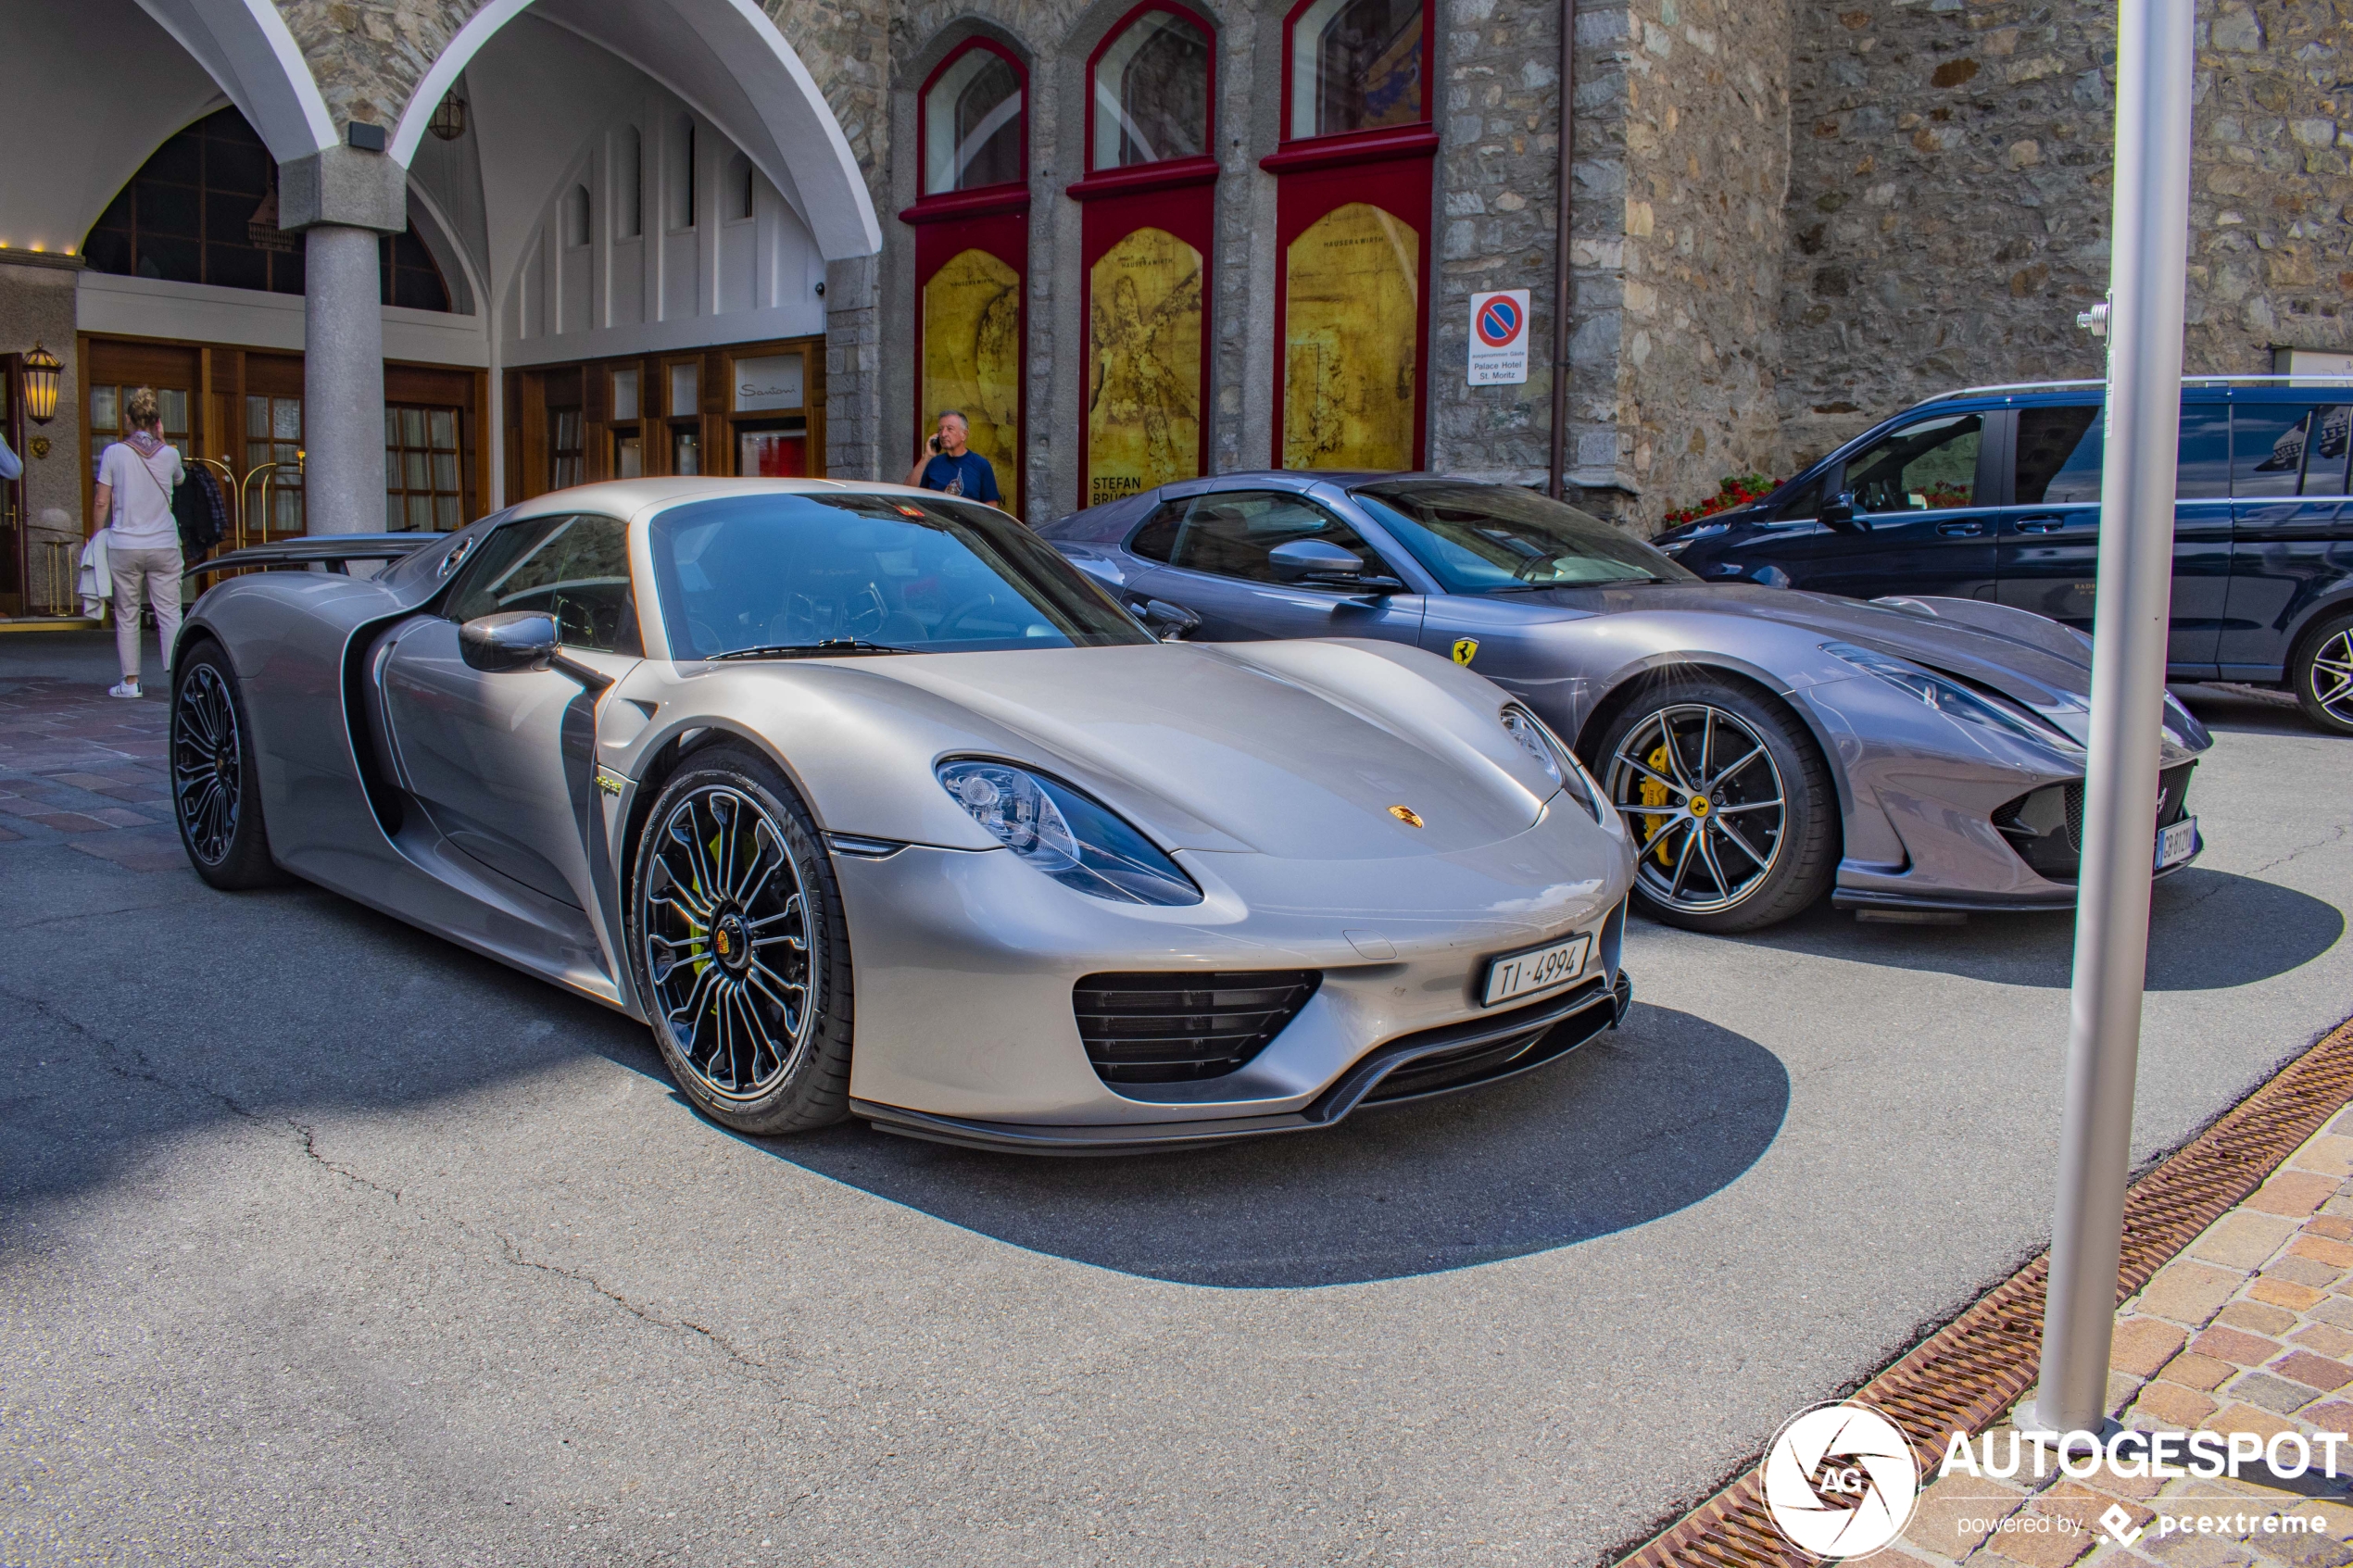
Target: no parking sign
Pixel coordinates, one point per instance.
(1499, 338)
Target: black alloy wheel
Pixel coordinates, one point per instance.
(741, 955)
(2323, 675)
(1729, 804)
(216, 792)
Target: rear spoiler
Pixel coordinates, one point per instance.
(331, 550)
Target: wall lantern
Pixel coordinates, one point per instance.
(449, 121)
(41, 368)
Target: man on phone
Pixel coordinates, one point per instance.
(950, 465)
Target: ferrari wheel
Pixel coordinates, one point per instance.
(2322, 674)
(742, 957)
(1729, 803)
(215, 794)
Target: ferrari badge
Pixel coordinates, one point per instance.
(1465, 649)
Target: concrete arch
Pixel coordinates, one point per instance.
(727, 60)
(247, 47)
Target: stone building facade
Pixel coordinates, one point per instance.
(1787, 221)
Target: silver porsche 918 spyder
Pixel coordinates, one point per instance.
(869, 804)
(1910, 757)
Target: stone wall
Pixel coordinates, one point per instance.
(1704, 113)
(1950, 192)
(37, 305)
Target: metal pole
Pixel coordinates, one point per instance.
(1563, 285)
(2150, 231)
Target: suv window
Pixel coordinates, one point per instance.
(1924, 467)
(1231, 532)
(574, 567)
(2059, 452)
(2202, 465)
(2288, 449)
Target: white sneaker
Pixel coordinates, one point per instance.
(124, 688)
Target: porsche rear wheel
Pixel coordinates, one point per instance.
(216, 792)
(1729, 804)
(2323, 675)
(741, 954)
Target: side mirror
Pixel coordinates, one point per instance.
(1303, 559)
(511, 640)
(1839, 513)
(1170, 623)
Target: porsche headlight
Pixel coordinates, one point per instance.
(1949, 698)
(1079, 843)
(1559, 764)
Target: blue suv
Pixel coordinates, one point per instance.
(1993, 494)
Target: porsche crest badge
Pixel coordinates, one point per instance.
(1407, 815)
(1465, 649)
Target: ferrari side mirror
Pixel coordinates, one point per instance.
(511, 640)
(1313, 557)
(1170, 623)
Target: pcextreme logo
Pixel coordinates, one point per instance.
(1840, 1480)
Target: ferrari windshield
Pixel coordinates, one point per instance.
(1494, 538)
(778, 573)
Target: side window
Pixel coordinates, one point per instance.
(574, 567)
(1925, 467)
(1804, 505)
(1232, 534)
(2286, 449)
(1157, 539)
(2059, 452)
(2202, 471)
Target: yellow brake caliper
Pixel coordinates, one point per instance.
(1654, 794)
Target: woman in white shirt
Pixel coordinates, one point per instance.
(136, 477)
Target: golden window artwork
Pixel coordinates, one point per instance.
(1143, 401)
(971, 358)
(1350, 313)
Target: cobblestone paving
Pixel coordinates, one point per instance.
(81, 768)
(2250, 1330)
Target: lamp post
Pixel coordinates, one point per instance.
(2150, 237)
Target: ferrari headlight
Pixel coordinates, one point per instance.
(1559, 764)
(1076, 841)
(1949, 698)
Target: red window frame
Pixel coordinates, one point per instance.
(1175, 195)
(992, 219)
(1391, 167)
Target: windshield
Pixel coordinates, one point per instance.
(1486, 538)
(783, 570)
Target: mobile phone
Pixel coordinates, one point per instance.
(931, 444)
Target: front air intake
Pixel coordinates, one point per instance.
(1171, 1028)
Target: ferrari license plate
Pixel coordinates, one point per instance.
(2177, 843)
(1536, 968)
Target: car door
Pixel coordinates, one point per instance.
(2049, 552)
(2288, 497)
(504, 763)
(1210, 553)
(1924, 496)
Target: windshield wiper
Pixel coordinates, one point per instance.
(824, 648)
(1548, 587)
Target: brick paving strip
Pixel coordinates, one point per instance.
(2235, 1315)
(87, 769)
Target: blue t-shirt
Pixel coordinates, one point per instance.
(969, 476)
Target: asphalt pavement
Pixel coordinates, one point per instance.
(323, 1241)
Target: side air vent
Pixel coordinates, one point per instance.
(1171, 1028)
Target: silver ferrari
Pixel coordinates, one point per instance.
(869, 804)
(1909, 756)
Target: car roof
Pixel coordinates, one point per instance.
(627, 497)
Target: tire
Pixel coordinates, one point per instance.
(2321, 675)
(1727, 840)
(216, 788)
(729, 864)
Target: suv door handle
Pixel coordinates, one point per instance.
(1960, 530)
(2040, 525)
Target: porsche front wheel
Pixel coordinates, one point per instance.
(742, 957)
(1729, 804)
(216, 791)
